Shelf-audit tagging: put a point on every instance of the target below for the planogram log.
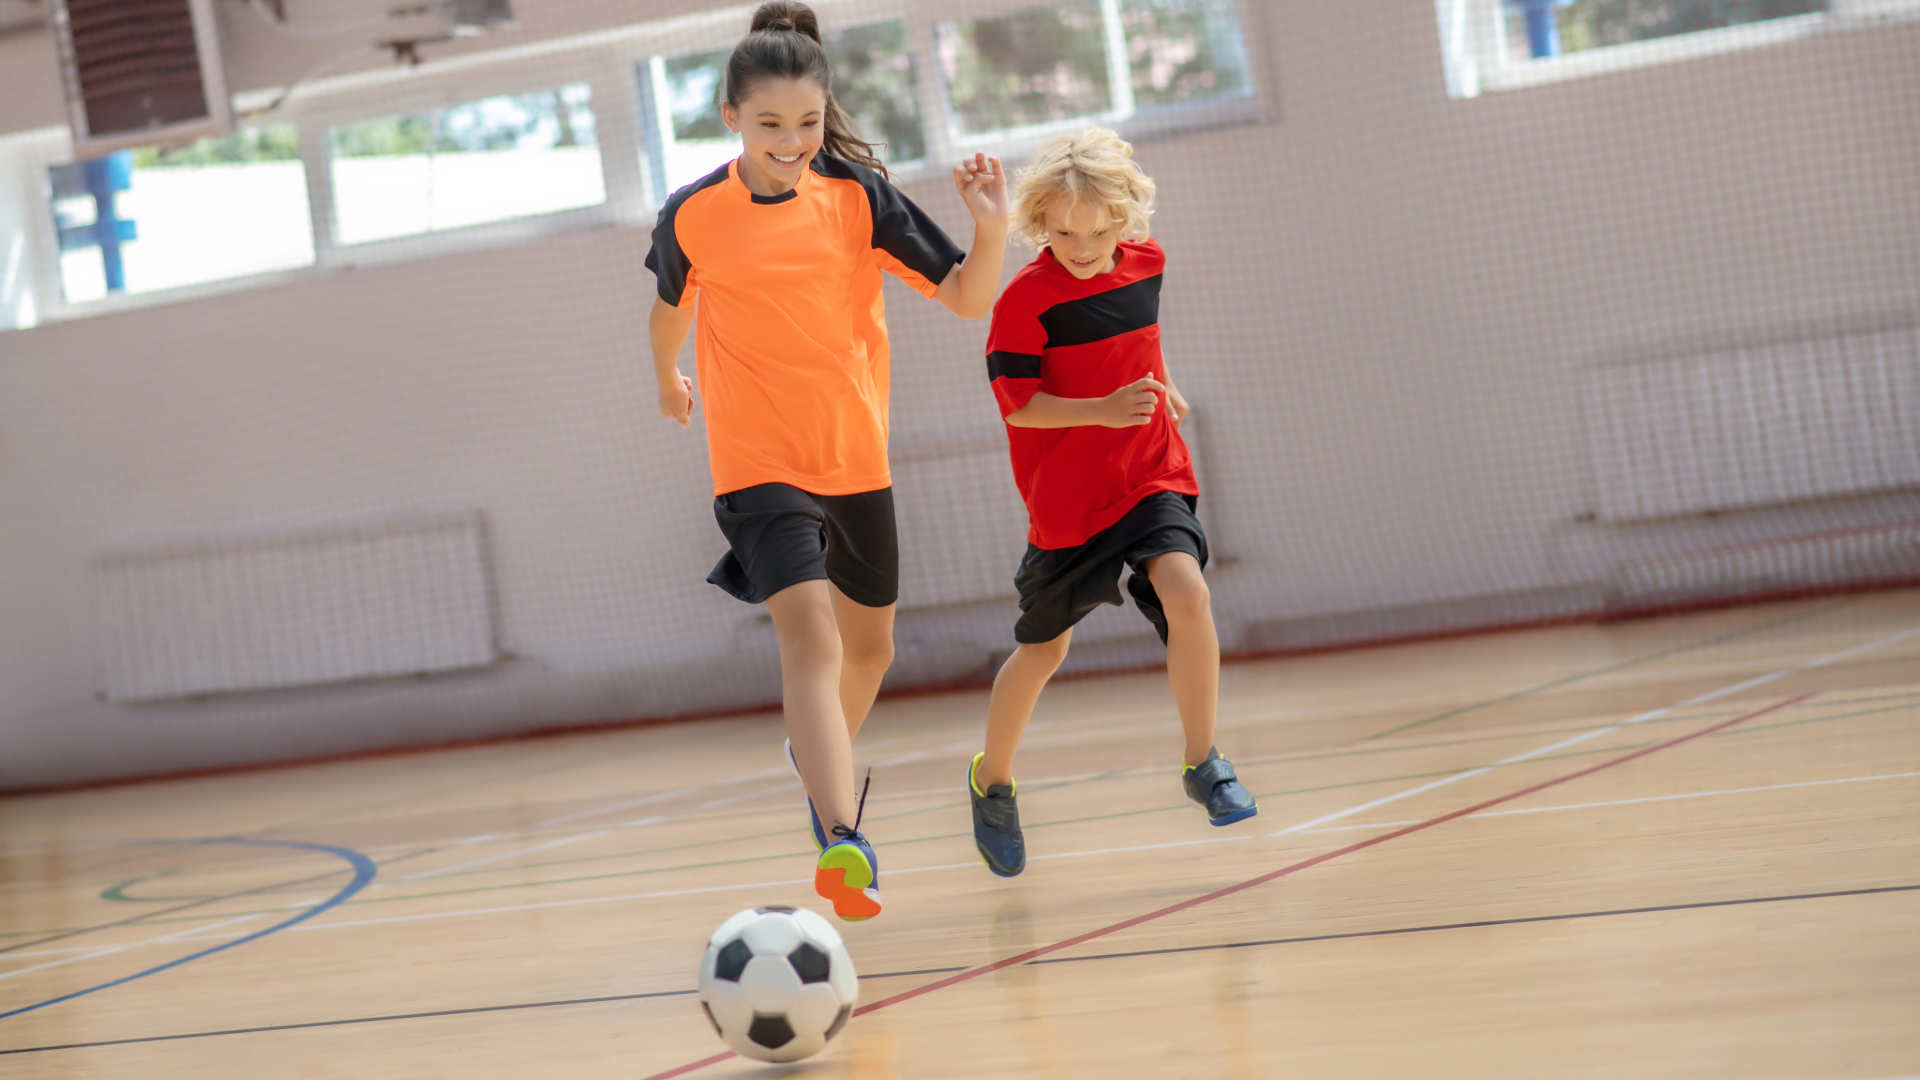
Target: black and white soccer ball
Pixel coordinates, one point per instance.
(777, 983)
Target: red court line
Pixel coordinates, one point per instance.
(1272, 875)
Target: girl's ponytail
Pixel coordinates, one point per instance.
(784, 43)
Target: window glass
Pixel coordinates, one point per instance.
(499, 158)
(698, 142)
(1594, 24)
(875, 82)
(219, 208)
(1029, 67)
(1183, 50)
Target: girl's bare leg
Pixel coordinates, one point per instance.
(810, 666)
(1015, 691)
(866, 644)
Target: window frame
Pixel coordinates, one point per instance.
(609, 63)
(1477, 58)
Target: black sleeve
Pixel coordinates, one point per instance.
(900, 228)
(668, 262)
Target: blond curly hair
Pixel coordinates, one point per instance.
(1096, 165)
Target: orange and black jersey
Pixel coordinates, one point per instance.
(1053, 332)
(791, 344)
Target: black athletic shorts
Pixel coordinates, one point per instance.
(1058, 588)
(781, 536)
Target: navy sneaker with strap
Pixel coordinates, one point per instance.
(1212, 786)
(848, 872)
(820, 838)
(996, 824)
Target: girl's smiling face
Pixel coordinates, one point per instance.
(782, 123)
(1082, 238)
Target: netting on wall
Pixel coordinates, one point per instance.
(1606, 343)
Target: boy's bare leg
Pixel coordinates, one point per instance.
(1193, 647)
(810, 656)
(866, 644)
(1015, 691)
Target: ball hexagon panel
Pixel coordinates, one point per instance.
(770, 983)
(773, 934)
(814, 1008)
(726, 1003)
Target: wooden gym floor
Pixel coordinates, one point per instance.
(1685, 847)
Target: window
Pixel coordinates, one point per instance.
(876, 82)
(1596, 24)
(1025, 69)
(1506, 44)
(140, 221)
(1104, 60)
(874, 79)
(496, 159)
(680, 105)
(1184, 51)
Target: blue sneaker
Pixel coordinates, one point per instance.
(814, 828)
(848, 872)
(996, 824)
(1212, 786)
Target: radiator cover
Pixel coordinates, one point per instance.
(398, 597)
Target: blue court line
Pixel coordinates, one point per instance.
(363, 873)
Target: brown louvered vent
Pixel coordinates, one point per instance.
(138, 63)
(140, 70)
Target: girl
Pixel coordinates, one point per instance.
(784, 247)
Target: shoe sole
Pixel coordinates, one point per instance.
(845, 878)
(1237, 815)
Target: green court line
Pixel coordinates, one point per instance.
(1609, 669)
(962, 834)
(1098, 777)
(890, 844)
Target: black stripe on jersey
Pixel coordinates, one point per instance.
(1103, 315)
(900, 228)
(668, 263)
(1012, 365)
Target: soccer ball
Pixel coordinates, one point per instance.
(777, 983)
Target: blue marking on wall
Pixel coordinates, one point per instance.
(363, 873)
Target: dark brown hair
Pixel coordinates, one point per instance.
(784, 43)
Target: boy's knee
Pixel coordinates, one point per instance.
(1184, 596)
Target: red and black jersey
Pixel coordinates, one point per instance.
(1083, 339)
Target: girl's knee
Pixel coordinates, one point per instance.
(1052, 653)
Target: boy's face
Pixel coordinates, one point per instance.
(1082, 239)
(782, 123)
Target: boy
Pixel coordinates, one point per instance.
(1074, 358)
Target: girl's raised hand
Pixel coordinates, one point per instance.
(982, 185)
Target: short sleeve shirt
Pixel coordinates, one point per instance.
(1053, 332)
(791, 339)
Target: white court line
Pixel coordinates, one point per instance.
(719, 888)
(1698, 794)
(1654, 714)
(748, 795)
(1629, 802)
(72, 960)
(628, 805)
(562, 842)
(178, 935)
